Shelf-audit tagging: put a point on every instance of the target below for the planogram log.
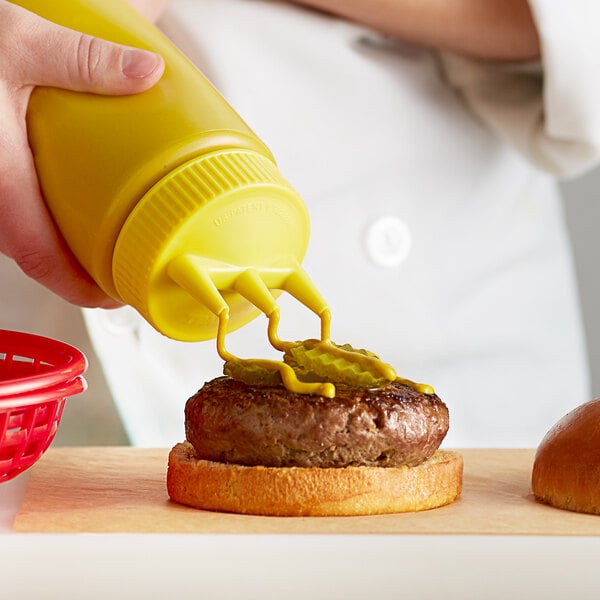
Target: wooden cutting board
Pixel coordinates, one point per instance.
(122, 490)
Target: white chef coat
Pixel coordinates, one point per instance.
(437, 232)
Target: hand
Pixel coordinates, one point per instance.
(151, 9)
(34, 51)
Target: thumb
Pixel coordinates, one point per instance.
(60, 57)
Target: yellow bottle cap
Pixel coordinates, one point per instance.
(230, 206)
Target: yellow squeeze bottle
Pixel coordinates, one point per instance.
(167, 198)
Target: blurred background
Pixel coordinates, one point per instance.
(582, 209)
(91, 419)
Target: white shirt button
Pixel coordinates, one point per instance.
(388, 241)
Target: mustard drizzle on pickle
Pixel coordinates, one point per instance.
(288, 375)
(367, 363)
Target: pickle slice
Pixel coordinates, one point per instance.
(252, 373)
(257, 372)
(319, 361)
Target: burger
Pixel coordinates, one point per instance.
(566, 468)
(255, 447)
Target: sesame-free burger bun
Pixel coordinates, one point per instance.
(312, 491)
(566, 469)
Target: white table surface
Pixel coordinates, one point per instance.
(158, 566)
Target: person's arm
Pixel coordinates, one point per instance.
(151, 9)
(501, 30)
(34, 51)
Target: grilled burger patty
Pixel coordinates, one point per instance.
(231, 422)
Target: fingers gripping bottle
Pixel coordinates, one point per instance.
(167, 198)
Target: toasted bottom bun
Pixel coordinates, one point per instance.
(304, 491)
(566, 468)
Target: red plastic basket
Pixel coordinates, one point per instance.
(37, 375)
